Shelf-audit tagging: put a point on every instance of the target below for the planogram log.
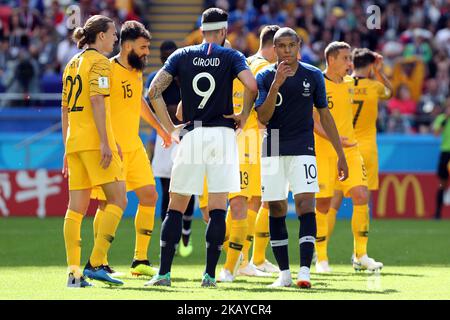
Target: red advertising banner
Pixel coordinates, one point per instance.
(35, 193)
(408, 195)
(42, 193)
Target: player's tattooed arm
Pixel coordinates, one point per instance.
(160, 83)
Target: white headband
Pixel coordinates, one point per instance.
(209, 26)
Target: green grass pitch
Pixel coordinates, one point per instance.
(416, 256)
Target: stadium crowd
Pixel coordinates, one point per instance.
(413, 37)
(35, 43)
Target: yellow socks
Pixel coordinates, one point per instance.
(143, 223)
(322, 233)
(106, 233)
(251, 217)
(360, 228)
(227, 231)
(331, 215)
(72, 240)
(262, 236)
(99, 216)
(238, 233)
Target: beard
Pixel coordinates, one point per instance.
(135, 61)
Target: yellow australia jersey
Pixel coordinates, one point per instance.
(340, 105)
(126, 95)
(87, 74)
(256, 63)
(366, 94)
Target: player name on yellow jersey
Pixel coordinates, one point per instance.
(126, 103)
(87, 74)
(366, 94)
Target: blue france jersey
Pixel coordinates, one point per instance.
(292, 121)
(206, 74)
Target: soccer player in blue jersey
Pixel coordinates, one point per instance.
(206, 73)
(288, 90)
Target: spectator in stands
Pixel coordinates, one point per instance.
(18, 37)
(442, 38)
(429, 106)
(66, 50)
(401, 109)
(410, 72)
(28, 17)
(419, 47)
(306, 19)
(403, 101)
(88, 8)
(55, 12)
(442, 63)
(110, 10)
(5, 57)
(397, 123)
(242, 40)
(244, 12)
(23, 77)
(47, 49)
(273, 13)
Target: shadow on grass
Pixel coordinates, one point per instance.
(385, 274)
(342, 275)
(261, 290)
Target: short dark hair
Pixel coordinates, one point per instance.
(214, 15)
(333, 49)
(362, 57)
(133, 30)
(168, 45)
(286, 32)
(267, 34)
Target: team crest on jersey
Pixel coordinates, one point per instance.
(306, 88)
(103, 83)
(238, 95)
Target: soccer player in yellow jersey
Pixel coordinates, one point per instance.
(338, 59)
(369, 85)
(127, 106)
(91, 154)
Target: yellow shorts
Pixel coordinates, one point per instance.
(249, 146)
(370, 157)
(85, 171)
(136, 170)
(203, 199)
(328, 176)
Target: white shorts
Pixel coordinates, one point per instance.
(163, 159)
(210, 151)
(283, 173)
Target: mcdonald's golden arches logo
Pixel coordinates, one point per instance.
(400, 189)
